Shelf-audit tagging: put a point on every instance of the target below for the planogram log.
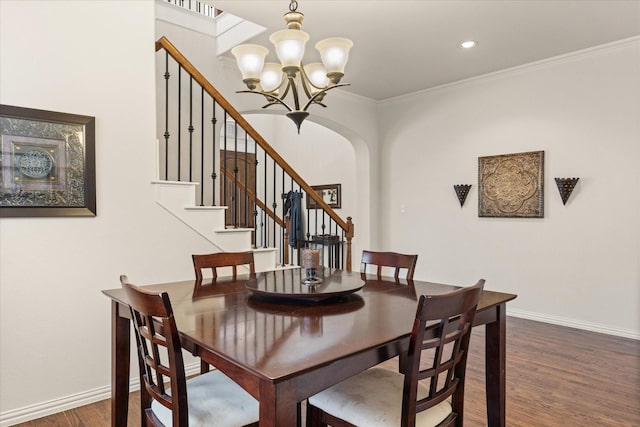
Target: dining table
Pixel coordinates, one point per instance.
(283, 340)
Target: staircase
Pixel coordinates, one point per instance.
(222, 179)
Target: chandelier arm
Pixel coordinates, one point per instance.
(268, 95)
(307, 80)
(294, 92)
(323, 91)
(271, 103)
(286, 90)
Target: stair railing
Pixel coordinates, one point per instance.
(254, 179)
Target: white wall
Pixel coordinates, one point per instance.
(580, 264)
(93, 58)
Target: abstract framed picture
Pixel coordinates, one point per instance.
(331, 194)
(511, 185)
(47, 163)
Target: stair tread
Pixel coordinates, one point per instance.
(205, 208)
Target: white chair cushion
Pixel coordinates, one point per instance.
(374, 398)
(214, 400)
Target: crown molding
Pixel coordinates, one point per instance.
(520, 69)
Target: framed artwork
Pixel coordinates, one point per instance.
(47, 163)
(511, 185)
(331, 194)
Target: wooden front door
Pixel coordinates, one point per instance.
(237, 186)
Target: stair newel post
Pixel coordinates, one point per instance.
(214, 121)
(166, 117)
(350, 231)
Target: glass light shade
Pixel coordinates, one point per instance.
(334, 53)
(289, 46)
(317, 75)
(250, 59)
(271, 77)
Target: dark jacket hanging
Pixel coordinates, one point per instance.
(293, 206)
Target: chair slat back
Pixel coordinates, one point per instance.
(389, 259)
(438, 349)
(223, 259)
(159, 352)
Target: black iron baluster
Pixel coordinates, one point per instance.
(275, 203)
(308, 218)
(224, 168)
(246, 180)
(214, 121)
(255, 192)
(235, 176)
(324, 216)
(265, 221)
(315, 222)
(166, 117)
(342, 250)
(283, 245)
(291, 248)
(201, 146)
(191, 129)
(179, 121)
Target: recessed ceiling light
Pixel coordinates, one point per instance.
(468, 44)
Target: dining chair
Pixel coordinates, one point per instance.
(214, 262)
(167, 398)
(429, 392)
(221, 260)
(389, 259)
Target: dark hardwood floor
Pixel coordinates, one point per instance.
(556, 376)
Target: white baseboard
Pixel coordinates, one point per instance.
(39, 410)
(573, 323)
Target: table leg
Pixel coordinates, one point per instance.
(120, 336)
(278, 406)
(495, 367)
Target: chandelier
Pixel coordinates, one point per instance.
(275, 81)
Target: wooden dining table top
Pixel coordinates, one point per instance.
(278, 337)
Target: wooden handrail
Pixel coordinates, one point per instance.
(253, 197)
(164, 43)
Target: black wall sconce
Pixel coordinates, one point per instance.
(565, 187)
(462, 190)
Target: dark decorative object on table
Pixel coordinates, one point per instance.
(462, 190)
(565, 187)
(311, 262)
